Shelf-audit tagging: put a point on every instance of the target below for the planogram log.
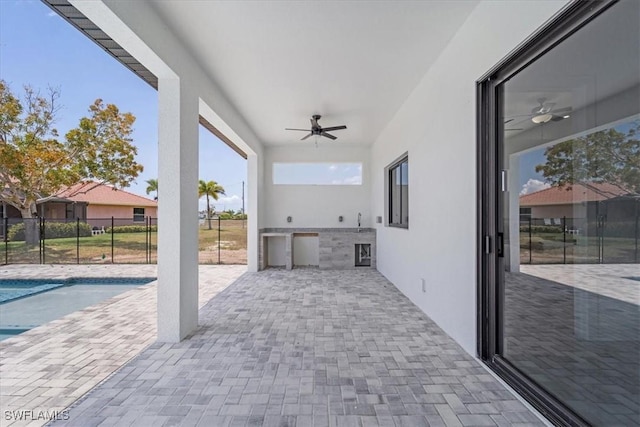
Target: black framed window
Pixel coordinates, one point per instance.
(397, 177)
(525, 214)
(138, 214)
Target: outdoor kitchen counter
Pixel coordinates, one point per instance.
(336, 245)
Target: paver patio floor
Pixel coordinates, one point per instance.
(49, 367)
(305, 348)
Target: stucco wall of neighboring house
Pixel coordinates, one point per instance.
(124, 212)
(436, 125)
(559, 211)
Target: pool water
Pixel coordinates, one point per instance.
(34, 302)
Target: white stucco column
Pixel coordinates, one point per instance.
(177, 210)
(253, 190)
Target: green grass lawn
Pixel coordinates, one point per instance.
(127, 247)
(550, 248)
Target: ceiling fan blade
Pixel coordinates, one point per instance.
(507, 121)
(304, 130)
(562, 110)
(515, 116)
(306, 137)
(334, 128)
(328, 135)
(512, 129)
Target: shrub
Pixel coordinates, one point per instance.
(52, 230)
(541, 229)
(230, 215)
(131, 228)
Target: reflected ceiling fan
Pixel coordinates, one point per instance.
(318, 130)
(545, 112)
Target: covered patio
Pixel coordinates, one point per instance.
(305, 348)
(391, 342)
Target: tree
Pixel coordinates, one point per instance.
(607, 156)
(210, 189)
(35, 166)
(152, 186)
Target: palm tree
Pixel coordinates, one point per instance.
(212, 189)
(152, 185)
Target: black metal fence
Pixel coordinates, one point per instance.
(111, 240)
(597, 240)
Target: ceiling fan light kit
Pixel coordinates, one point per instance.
(541, 118)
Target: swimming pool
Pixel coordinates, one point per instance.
(25, 304)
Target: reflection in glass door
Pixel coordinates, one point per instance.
(568, 220)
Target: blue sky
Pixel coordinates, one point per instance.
(317, 173)
(41, 49)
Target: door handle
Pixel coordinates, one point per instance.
(500, 245)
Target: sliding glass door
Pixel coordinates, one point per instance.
(560, 217)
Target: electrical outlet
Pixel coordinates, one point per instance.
(424, 285)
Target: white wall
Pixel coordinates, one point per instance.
(436, 125)
(277, 254)
(306, 251)
(313, 206)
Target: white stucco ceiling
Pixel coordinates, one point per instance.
(279, 62)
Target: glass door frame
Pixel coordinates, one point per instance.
(490, 240)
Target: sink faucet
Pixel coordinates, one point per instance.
(359, 219)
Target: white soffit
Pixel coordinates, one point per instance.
(279, 62)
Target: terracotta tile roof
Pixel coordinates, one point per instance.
(100, 194)
(569, 195)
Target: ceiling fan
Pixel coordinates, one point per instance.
(546, 112)
(316, 129)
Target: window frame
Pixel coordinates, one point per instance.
(396, 165)
(137, 215)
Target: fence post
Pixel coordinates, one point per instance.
(564, 239)
(77, 240)
(6, 240)
(24, 221)
(44, 239)
(637, 217)
(148, 239)
(530, 244)
(112, 233)
(219, 239)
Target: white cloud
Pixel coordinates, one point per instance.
(223, 203)
(227, 200)
(532, 186)
(333, 168)
(51, 14)
(351, 180)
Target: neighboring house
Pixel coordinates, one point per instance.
(575, 201)
(91, 200)
(57, 208)
(103, 202)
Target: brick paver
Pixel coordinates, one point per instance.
(305, 348)
(51, 366)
